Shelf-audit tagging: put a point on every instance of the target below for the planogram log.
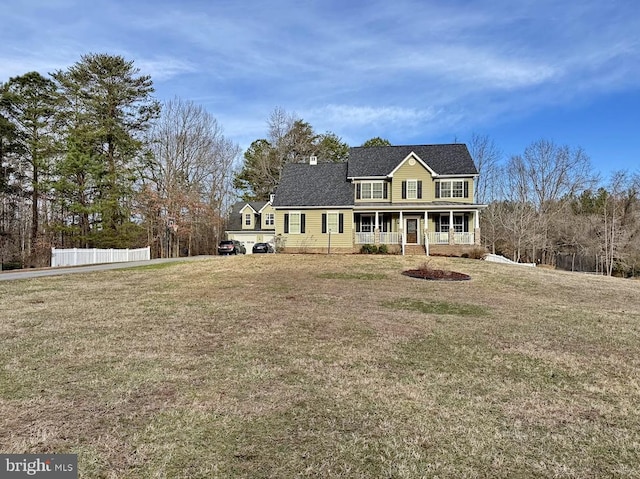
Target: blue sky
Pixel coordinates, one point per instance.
(414, 72)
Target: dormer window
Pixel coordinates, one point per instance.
(247, 219)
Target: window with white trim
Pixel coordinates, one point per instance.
(458, 224)
(247, 219)
(412, 189)
(366, 223)
(269, 219)
(332, 222)
(294, 223)
(371, 190)
(452, 188)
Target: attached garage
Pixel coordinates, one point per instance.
(248, 240)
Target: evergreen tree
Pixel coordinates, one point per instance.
(108, 106)
(291, 140)
(377, 141)
(29, 103)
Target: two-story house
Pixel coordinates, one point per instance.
(412, 198)
(252, 222)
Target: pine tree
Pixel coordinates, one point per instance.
(108, 108)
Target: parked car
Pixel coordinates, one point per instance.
(231, 247)
(263, 248)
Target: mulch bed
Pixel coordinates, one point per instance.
(436, 275)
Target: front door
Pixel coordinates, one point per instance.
(412, 231)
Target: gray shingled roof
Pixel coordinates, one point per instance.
(324, 184)
(235, 219)
(453, 159)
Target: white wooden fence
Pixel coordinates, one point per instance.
(78, 256)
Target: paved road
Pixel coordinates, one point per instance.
(37, 273)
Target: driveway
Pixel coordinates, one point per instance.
(90, 268)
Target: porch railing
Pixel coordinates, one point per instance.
(463, 238)
(385, 238)
(389, 238)
(443, 238)
(433, 236)
(365, 238)
(438, 238)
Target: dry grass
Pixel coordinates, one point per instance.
(315, 366)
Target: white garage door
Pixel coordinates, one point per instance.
(248, 241)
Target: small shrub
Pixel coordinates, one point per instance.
(368, 249)
(382, 249)
(425, 267)
(477, 253)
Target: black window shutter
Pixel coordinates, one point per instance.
(384, 190)
(340, 223)
(358, 191)
(465, 224)
(286, 222)
(419, 189)
(437, 189)
(404, 190)
(302, 218)
(324, 222)
(466, 189)
(358, 225)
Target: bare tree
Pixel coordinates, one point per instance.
(544, 176)
(188, 182)
(620, 228)
(486, 156)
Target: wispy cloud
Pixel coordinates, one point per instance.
(408, 67)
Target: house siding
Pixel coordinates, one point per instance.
(263, 216)
(247, 211)
(412, 172)
(314, 240)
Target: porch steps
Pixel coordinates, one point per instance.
(414, 249)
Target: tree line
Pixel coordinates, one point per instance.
(89, 158)
(548, 206)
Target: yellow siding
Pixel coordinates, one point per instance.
(313, 238)
(267, 209)
(412, 172)
(418, 172)
(245, 211)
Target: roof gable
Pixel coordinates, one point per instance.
(247, 205)
(265, 206)
(415, 158)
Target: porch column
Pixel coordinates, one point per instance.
(476, 230)
(376, 231)
(451, 228)
(401, 232)
(426, 232)
(426, 226)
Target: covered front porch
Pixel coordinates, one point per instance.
(459, 226)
